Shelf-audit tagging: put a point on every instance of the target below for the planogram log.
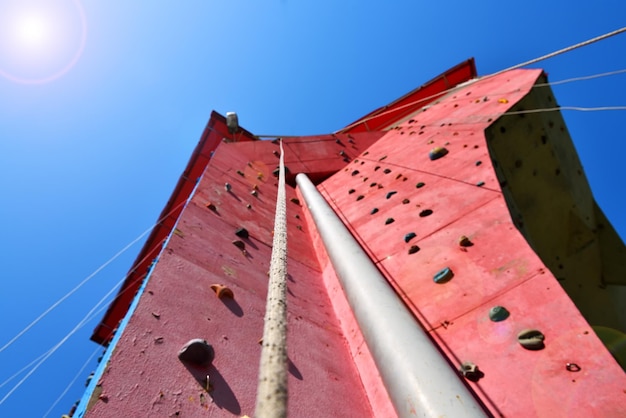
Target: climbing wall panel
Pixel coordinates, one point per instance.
(426, 204)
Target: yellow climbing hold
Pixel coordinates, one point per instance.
(503, 100)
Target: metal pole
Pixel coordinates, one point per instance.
(419, 380)
(271, 401)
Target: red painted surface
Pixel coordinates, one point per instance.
(498, 269)
(215, 131)
(144, 373)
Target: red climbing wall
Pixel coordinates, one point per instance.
(394, 189)
(178, 304)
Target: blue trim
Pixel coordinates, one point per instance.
(81, 409)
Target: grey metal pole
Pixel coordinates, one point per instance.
(419, 380)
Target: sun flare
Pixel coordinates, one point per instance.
(40, 40)
(32, 31)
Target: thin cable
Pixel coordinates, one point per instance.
(556, 109)
(271, 401)
(67, 388)
(86, 319)
(562, 51)
(75, 289)
(22, 369)
(583, 78)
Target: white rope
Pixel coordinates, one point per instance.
(271, 399)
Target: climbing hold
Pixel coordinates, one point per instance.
(197, 351)
(377, 168)
(355, 172)
(373, 211)
(572, 367)
(405, 201)
(444, 275)
(437, 153)
(299, 227)
(389, 221)
(391, 193)
(398, 176)
(342, 153)
(470, 371)
(249, 206)
(531, 339)
(413, 249)
(380, 186)
(498, 313)
(408, 237)
(365, 153)
(254, 193)
(276, 172)
(240, 244)
(295, 200)
(241, 173)
(211, 206)
(359, 197)
(296, 216)
(382, 158)
(426, 212)
(337, 141)
(351, 191)
(276, 153)
(420, 185)
(222, 291)
(227, 187)
(465, 241)
(503, 101)
(386, 171)
(242, 233)
(478, 163)
(480, 184)
(373, 184)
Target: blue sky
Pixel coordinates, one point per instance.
(89, 158)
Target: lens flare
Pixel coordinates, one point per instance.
(40, 40)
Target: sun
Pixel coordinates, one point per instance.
(40, 40)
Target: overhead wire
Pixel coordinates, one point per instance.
(76, 376)
(86, 319)
(84, 281)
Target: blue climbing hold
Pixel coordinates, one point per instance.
(443, 275)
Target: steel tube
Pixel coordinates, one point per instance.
(418, 379)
